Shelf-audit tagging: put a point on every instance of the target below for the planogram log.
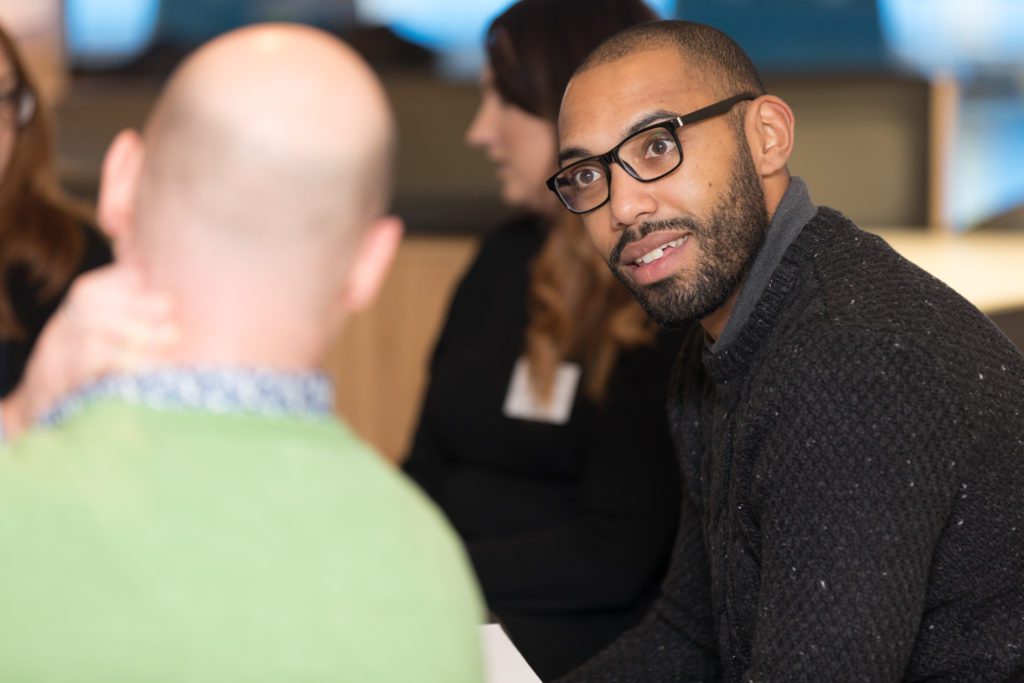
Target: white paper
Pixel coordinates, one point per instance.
(502, 661)
(521, 400)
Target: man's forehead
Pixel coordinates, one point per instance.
(602, 103)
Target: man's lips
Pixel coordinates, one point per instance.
(635, 251)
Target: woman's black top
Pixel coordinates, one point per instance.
(33, 310)
(569, 527)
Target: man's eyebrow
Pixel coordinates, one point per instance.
(648, 119)
(571, 153)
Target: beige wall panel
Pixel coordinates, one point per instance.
(380, 361)
(862, 146)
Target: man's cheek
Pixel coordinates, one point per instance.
(601, 240)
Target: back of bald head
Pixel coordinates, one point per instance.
(268, 136)
(712, 55)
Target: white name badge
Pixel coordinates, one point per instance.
(522, 402)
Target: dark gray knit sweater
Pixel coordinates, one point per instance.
(854, 471)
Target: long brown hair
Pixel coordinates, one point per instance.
(39, 227)
(577, 309)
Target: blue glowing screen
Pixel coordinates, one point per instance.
(454, 29)
(108, 33)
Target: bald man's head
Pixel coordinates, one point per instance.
(269, 129)
(263, 171)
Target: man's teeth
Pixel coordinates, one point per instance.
(655, 254)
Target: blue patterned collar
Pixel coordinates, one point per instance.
(253, 391)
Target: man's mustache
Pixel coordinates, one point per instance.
(629, 235)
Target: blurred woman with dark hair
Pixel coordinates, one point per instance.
(45, 238)
(543, 432)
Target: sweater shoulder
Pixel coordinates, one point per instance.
(849, 279)
(506, 249)
(863, 324)
(498, 275)
(151, 496)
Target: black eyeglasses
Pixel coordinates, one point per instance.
(647, 155)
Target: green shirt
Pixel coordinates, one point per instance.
(177, 545)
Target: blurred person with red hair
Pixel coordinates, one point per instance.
(46, 239)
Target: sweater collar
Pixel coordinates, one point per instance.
(791, 215)
(724, 363)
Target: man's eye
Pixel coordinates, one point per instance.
(585, 176)
(658, 147)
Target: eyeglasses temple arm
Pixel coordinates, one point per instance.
(714, 109)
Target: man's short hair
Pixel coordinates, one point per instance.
(724, 65)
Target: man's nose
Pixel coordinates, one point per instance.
(630, 200)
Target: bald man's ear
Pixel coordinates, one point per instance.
(770, 134)
(119, 185)
(371, 262)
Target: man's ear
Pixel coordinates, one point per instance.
(770, 134)
(371, 262)
(119, 186)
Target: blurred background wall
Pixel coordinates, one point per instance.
(910, 119)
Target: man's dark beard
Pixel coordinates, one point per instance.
(729, 240)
